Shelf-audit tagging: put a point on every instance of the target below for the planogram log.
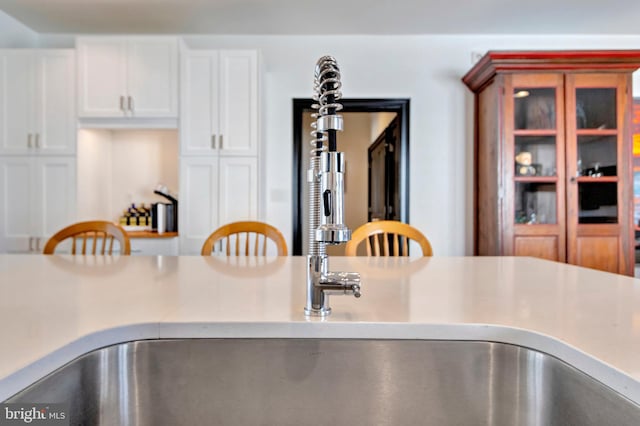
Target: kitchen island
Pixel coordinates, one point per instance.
(56, 308)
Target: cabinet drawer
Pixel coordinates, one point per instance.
(154, 246)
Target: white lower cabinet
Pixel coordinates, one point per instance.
(37, 198)
(154, 246)
(215, 191)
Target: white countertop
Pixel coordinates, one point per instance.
(55, 308)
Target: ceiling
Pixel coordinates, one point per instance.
(328, 16)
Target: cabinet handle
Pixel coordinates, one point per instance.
(38, 244)
(573, 179)
(213, 141)
(130, 103)
(220, 141)
(29, 138)
(37, 140)
(122, 103)
(30, 243)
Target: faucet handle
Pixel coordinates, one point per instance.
(356, 290)
(348, 282)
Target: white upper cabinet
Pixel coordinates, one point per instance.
(219, 102)
(102, 72)
(128, 77)
(55, 112)
(37, 102)
(238, 105)
(16, 106)
(199, 125)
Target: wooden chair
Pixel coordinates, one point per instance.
(250, 230)
(379, 233)
(93, 229)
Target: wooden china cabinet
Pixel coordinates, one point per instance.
(553, 154)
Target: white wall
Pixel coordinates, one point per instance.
(426, 69)
(94, 175)
(379, 122)
(15, 34)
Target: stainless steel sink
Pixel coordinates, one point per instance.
(320, 382)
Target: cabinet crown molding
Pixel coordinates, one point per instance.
(508, 61)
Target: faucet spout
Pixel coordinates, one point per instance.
(326, 194)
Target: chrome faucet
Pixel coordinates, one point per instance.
(326, 194)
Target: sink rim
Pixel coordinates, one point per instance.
(609, 376)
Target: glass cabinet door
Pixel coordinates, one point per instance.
(599, 188)
(596, 154)
(535, 155)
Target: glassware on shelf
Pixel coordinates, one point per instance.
(579, 170)
(535, 203)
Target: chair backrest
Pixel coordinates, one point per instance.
(252, 231)
(387, 238)
(93, 230)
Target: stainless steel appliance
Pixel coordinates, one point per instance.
(165, 213)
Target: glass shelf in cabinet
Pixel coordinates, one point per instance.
(536, 179)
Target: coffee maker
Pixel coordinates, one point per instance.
(164, 216)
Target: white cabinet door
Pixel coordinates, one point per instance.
(199, 127)
(37, 199)
(102, 76)
(16, 101)
(55, 191)
(152, 77)
(238, 104)
(198, 208)
(128, 76)
(16, 204)
(238, 189)
(219, 102)
(55, 112)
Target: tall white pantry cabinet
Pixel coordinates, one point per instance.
(219, 142)
(37, 146)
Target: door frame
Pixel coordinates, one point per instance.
(300, 105)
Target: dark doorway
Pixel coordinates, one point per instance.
(398, 179)
(384, 164)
